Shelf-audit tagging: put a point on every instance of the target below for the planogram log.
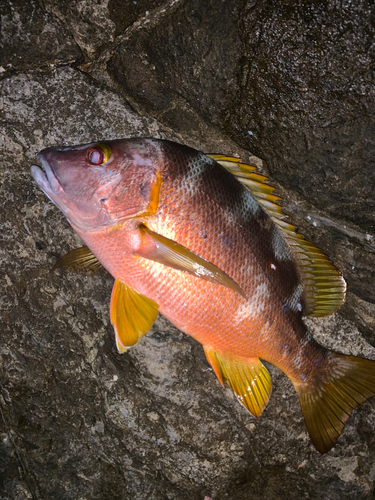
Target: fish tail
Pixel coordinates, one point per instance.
(328, 399)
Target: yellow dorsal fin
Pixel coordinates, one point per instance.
(132, 315)
(249, 379)
(79, 259)
(324, 287)
(254, 182)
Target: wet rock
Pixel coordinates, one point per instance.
(362, 313)
(206, 33)
(307, 101)
(182, 64)
(96, 24)
(31, 37)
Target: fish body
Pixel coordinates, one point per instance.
(215, 316)
(181, 235)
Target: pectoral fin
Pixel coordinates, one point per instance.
(170, 253)
(132, 315)
(249, 379)
(79, 259)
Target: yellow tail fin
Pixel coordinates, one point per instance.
(327, 403)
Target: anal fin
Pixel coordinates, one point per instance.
(132, 315)
(249, 379)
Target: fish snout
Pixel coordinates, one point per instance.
(45, 176)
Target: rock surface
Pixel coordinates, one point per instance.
(77, 419)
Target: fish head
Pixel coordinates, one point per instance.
(98, 185)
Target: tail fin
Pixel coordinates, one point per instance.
(327, 404)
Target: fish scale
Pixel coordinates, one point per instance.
(202, 240)
(211, 216)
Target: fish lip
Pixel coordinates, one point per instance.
(39, 176)
(47, 177)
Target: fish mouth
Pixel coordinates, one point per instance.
(45, 178)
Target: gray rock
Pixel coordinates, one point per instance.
(31, 37)
(78, 420)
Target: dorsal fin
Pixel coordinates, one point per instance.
(324, 287)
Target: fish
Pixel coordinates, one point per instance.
(202, 239)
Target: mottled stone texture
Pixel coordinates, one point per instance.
(291, 82)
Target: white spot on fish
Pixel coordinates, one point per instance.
(245, 209)
(256, 306)
(279, 247)
(294, 301)
(273, 267)
(305, 340)
(249, 204)
(191, 182)
(299, 359)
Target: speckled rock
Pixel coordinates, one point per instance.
(78, 420)
(31, 37)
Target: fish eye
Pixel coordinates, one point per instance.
(95, 156)
(99, 154)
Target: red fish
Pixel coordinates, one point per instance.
(202, 240)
